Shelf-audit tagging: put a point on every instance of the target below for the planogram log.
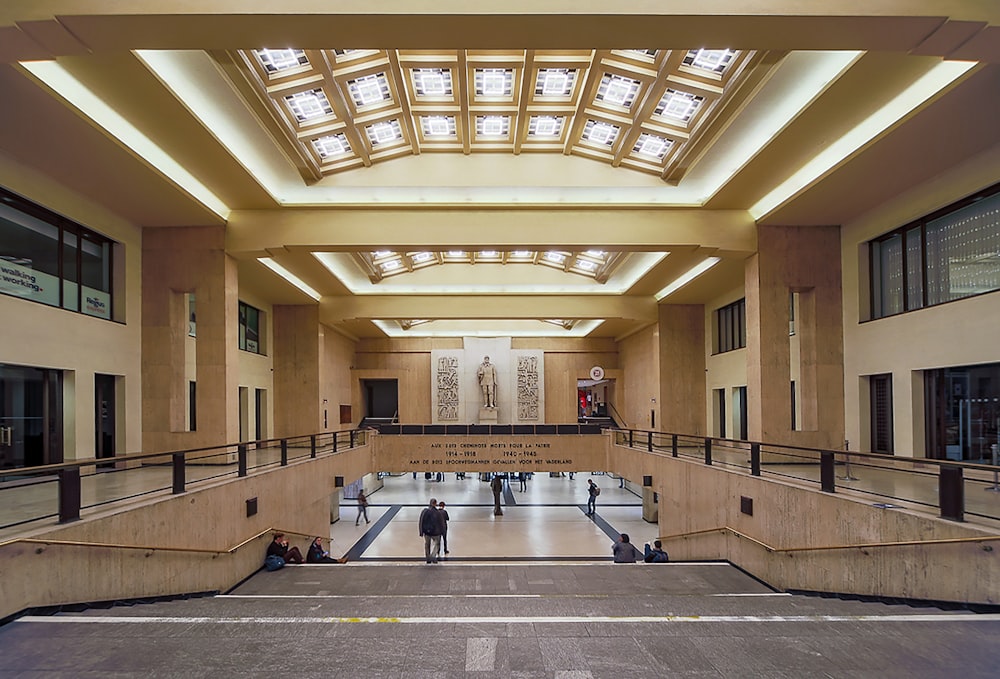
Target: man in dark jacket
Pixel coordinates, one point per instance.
(497, 485)
(431, 529)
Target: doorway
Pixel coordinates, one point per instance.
(381, 398)
(104, 415)
(30, 416)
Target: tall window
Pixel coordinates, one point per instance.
(948, 255)
(731, 327)
(47, 258)
(881, 417)
(251, 328)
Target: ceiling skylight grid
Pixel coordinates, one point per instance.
(581, 102)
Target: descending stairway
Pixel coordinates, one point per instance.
(567, 620)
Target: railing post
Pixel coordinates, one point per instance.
(312, 445)
(673, 445)
(334, 441)
(708, 451)
(649, 442)
(827, 480)
(241, 459)
(755, 459)
(178, 459)
(629, 438)
(284, 452)
(352, 438)
(69, 495)
(951, 493)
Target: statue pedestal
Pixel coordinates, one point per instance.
(487, 415)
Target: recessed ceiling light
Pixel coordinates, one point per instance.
(309, 105)
(617, 90)
(545, 126)
(384, 132)
(600, 133)
(369, 89)
(331, 145)
(678, 105)
(494, 82)
(492, 126)
(653, 146)
(555, 82)
(432, 82)
(438, 126)
(710, 60)
(275, 61)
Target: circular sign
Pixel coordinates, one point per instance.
(597, 373)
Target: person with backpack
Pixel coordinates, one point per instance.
(592, 492)
(279, 553)
(431, 529)
(656, 553)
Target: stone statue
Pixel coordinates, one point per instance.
(487, 374)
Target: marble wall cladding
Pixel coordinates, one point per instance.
(528, 385)
(446, 387)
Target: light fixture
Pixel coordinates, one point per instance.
(687, 277)
(289, 276)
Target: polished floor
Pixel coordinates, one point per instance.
(547, 519)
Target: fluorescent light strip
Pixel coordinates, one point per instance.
(289, 276)
(92, 106)
(495, 328)
(936, 79)
(687, 277)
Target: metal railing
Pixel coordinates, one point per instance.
(821, 548)
(487, 429)
(62, 490)
(954, 489)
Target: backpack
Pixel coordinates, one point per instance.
(429, 522)
(273, 562)
(597, 491)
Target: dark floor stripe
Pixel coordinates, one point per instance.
(368, 538)
(508, 494)
(608, 529)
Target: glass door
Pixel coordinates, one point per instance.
(30, 416)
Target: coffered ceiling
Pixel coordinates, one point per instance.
(423, 169)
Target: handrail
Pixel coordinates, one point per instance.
(118, 545)
(620, 418)
(859, 545)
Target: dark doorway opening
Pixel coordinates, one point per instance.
(381, 399)
(104, 413)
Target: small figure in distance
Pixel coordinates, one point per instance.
(656, 553)
(497, 486)
(444, 535)
(625, 551)
(362, 507)
(317, 554)
(592, 492)
(279, 548)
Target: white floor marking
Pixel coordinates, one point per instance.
(253, 620)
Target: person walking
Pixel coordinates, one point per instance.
(497, 485)
(362, 507)
(444, 535)
(431, 526)
(522, 478)
(592, 492)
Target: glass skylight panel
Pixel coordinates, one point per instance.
(600, 133)
(274, 61)
(644, 53)
(384, 132)
(391, 265)
(545, 126)
(678, 105)
(492, 126)
(522, 254)
(432, 82)
(494, 82)
(309, 105)
(379, 254)
(422, 257)
(369, 89)
(331, 145)
(455, 253)
(595, 253)
(438, 126)
(555, 257)
(710, 60)
(555, 82)
(652, 145)
(488, 254)
(617, 90)
(585, 264)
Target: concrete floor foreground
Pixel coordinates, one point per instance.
(567, 620)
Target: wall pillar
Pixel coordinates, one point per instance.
(682, 368)
(803, 260)
(296, 361)
(177, 261)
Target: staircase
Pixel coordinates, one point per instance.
(560, 620)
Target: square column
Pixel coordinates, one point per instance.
(682, 368)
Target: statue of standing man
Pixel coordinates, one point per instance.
(487, 374)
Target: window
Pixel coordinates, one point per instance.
(251, 329)
(951, 254)
(49, 259)
(881, 415)
(731, 327)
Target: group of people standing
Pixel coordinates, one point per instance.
(433, 526)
